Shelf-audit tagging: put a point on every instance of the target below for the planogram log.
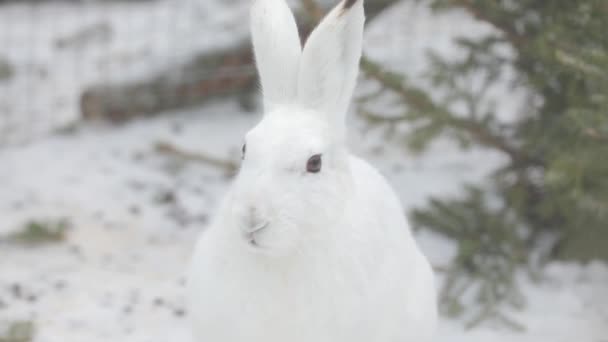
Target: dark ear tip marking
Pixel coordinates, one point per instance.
(349, 3)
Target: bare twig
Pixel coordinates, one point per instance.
(372, 8)
(441, 268)
(594, 134)
(313, 9)
(375, 118)
(169, 149)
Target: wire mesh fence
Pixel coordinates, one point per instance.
(61, 61)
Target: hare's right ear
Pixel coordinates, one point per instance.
(277, 48)
(330, 61)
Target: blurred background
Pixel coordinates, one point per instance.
(121, 123)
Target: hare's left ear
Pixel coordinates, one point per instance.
(330, 61)
(277, 48)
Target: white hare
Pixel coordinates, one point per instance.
(310, 244)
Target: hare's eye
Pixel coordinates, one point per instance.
(244, 150)
(314, 164)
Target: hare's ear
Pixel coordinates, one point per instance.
(277, 49)
(330, 60)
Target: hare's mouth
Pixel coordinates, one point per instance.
(251, 233)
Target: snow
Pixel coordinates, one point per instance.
(119, 276)
(135, 213)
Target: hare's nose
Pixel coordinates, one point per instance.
(254, 223)
(255, 220)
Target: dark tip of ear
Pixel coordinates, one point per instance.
(349, 3)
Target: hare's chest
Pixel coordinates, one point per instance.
(246, 300)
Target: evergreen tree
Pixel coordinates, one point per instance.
(555, 183)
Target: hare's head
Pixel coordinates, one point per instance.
(295, 179)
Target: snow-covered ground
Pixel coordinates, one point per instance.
(135, 213)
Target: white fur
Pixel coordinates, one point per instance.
(277, 49)
(330, 62)
(297, 256)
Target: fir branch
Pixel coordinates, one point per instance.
(419, 100)
(488, 255)
(505, 27)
